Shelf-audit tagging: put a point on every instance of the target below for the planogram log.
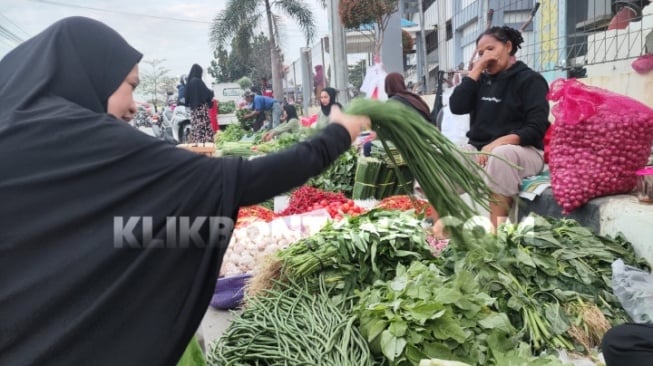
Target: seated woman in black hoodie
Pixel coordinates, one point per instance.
(509, 114)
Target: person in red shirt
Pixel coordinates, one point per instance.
(266, 89)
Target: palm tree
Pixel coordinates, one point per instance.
(244, 15)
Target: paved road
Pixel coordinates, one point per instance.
(214, 323)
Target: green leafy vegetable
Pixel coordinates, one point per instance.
(339, 177)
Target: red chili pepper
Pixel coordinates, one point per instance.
(306, 198)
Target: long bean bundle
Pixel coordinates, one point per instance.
(290, 326)
(434, 161)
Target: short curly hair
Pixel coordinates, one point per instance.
(503, 35)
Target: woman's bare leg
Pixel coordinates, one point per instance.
(499, 209)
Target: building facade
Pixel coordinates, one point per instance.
(565, 38)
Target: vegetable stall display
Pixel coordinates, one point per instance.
(354, 253)
(366, 178)
(433, 160)
(245, 123)
(339, 177)
(249, 214)
(550, 276)
(404, 203)
(231, 133)
(307, 198)
(370, 288)
(511, 298)
(394, 174)
(292, 326)
(422, 314)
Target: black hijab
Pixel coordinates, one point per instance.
(196, 91)
(326, 109)
(395, 88)
(74, 288)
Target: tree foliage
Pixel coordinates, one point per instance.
(363, 14)
(242, 16)
(260, 65)
(251, 59)
(357, 73)
(355, 13)
(219, 68)
(407, 41)
(156, 82)
(245, 83)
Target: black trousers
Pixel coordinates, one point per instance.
(628, 345)
(258, 123)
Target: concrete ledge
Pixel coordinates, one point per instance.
(609, 215)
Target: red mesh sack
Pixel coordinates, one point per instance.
(599, 141)
(547, 143)
(213, 115)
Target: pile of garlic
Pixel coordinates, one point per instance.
(251, 243)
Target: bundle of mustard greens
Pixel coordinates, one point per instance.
(434, 161)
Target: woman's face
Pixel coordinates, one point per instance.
(325, 99)
(500, 51)
(121, 103)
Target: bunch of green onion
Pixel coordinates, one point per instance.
(440, 167)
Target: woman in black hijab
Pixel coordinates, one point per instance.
(199, 99)
(327, 100)
(111, 240)
(395, 88)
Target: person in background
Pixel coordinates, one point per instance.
(103, 281)
(260, 104)
(509, 114)
(395, 87)
(199, 99)
(289, 112)
(181, 90)
(289, 122)
(327, 100)
(266, 89)
(318, 82)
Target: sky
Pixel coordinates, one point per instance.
(176, 31)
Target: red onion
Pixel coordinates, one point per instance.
(600, 139)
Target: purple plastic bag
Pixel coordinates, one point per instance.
(229, 292)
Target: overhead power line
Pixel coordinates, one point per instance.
(7, 34)
(111, 11)
(6, 42)
(14, 24)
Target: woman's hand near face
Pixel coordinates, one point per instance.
(482, 63)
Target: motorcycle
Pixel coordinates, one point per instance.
(162, 130)
(176, 118)
(142, 120)
(155, 125)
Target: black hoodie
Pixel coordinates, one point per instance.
(511, 102)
